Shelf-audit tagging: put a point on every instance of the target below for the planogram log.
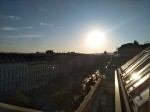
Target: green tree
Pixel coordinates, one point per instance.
(18, 98)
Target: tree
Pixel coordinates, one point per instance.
(18, 98)
(59, 101)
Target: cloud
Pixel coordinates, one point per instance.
(28, 27)
(46, 24)
(9, 28)
(13, 17)
(22, 36)
(9, 17)
(27, 36)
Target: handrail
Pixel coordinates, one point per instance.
(117, 95)
(128, 109)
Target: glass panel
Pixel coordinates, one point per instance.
(142, 80)
(136, 76)
(137, 63)
(139, 82)
(143, 97)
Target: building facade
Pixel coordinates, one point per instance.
(37, 75)
(28, 71)
(25, 72)
(13, 76)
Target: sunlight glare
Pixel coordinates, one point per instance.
(135, 76)
(95, 39)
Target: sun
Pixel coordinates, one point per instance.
(95, 39)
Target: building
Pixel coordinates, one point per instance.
(38, 75)
(129, 50)
(25, 72)
(53, 69)
(83, 60)
(31, 71)
(70, 62)
(13, 76)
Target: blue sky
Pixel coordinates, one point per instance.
(63, 25)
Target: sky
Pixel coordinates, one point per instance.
(63, 25)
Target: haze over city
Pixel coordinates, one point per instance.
(63, 25)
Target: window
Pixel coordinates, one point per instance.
(4, 69)
(8, 68)
(1, 75)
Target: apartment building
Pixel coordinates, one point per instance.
(13, 76)
(24, 72)
(37, 75)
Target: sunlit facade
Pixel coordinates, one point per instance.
(132, 84)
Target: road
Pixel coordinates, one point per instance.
(103, 99)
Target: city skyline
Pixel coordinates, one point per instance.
(29, 26)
